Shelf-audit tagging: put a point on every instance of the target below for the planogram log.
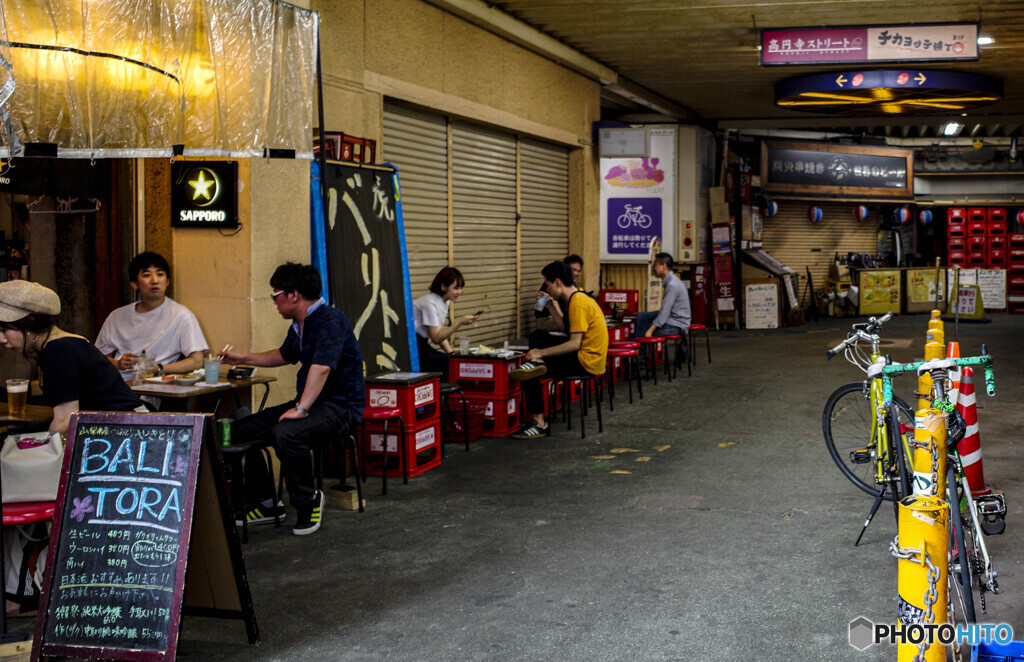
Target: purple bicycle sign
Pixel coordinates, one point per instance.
(632, 223)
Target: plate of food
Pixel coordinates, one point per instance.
(164, 379)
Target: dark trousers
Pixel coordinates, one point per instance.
(645, 318)
(293, 440)
(562, 365)
(432, 360)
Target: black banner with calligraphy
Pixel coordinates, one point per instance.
(368, 266)
(837, 170)
(116, 573)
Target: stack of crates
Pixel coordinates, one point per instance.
(996, 244)
(1015, 271)
(977, 237)
(420, 434)
(485, 381)
(956, 236)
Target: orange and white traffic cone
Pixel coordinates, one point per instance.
(954, 375)
(970, 446)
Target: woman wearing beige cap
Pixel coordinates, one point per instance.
(74, 374)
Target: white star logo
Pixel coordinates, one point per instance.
(202, 186)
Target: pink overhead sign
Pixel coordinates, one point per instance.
(880, 43)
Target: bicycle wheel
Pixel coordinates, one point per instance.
(961, 592)
(846, 425)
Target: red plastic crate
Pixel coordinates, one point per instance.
(1015, 257)
(997, 259)
(483, 375)
(1015, 240)
(501, 414)
(452, 419)
(997, 226)
(956, 244)
(419, 402)
(421, 446)
(977, 214)
(997, 214)
(957, 258)
(976, 258)
(997, 242)
(1015, 283)
(1017, 309)
(611, 299)
(976, 228)
(977, 243)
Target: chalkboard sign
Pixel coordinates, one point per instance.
(126, 512)
(368, 267)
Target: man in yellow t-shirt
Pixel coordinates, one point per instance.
(583, 352)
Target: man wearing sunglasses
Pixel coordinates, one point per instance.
(329, 393)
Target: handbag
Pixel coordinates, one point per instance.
(30, 467)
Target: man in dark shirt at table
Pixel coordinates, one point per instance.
(329, 389)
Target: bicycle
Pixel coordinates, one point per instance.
(633, 216)
(856, 430)
(970, 566)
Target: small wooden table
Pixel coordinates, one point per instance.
(183, 393)
(36, 417)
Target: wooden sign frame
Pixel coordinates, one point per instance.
(209, 573)
(832, 160)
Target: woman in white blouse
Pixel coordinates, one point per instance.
(430, 312)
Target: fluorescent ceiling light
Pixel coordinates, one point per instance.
(951, 128)
(985, 41)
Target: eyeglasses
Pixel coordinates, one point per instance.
(275, 294)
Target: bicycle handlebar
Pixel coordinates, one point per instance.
(900, 368)
(869, 328)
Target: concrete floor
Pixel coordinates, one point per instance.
(707, 522)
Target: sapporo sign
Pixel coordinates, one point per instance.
(837, 170)
(204, 194)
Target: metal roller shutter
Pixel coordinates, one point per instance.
(544, 217)
(417, 143)
(797, 243)
(484, 209)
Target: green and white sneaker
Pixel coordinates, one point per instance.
(265, 513)
(309, 515)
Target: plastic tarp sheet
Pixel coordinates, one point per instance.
(124, 78)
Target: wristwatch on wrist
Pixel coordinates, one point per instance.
(159, 369)
(301, 409)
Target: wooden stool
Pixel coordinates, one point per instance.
(385, 414)
(692, 359)
(651, 344)
(630, 352)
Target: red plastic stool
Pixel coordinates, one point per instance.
(21, 513)
(677, 339)
(692, 359)
(651, 344)
(632, 357)
(384, 414)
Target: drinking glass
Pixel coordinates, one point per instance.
(211, 368)
(17, 396)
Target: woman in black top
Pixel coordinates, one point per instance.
(74, 375)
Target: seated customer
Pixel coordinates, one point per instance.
(156, 324)
(550, 319)
(73, 374)
(584, 351)
(328, 400)
(430, 312)
(674, 316)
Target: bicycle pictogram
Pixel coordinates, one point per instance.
(633, 216)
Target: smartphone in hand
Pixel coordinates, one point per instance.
(479, 312)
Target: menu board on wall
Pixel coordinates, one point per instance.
(880, 291)
(761, 304)
(992, 283)
(138, 491)
(921, 285)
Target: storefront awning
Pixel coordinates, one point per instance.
(122, 78)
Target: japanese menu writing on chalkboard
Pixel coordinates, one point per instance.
(117, 561)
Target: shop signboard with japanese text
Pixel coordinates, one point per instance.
(877, 43)
(638, 200)
(836, 170)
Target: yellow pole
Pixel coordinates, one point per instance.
(930, 453)
(921, 570)
(934, 348)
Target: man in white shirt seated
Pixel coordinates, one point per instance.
(165, 330)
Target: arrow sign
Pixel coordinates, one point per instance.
(920, 78)
(840, 80)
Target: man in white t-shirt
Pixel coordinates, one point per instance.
(155, 324)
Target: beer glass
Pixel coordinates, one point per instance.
(17, 396)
